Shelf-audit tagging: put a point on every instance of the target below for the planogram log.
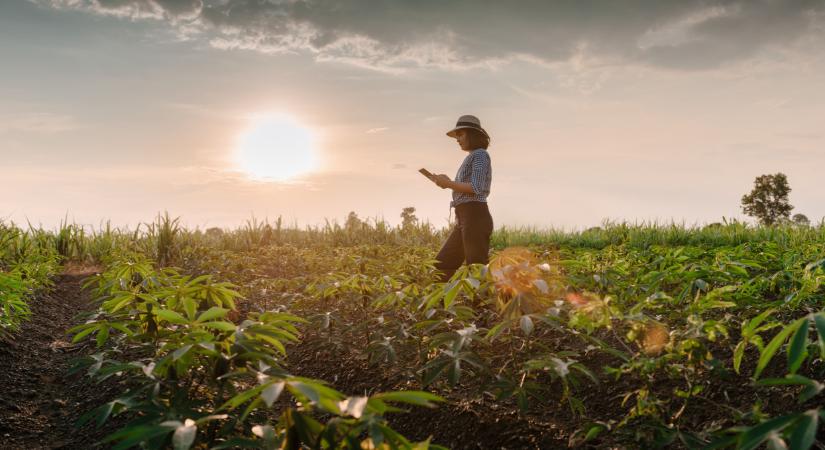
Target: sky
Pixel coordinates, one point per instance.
(637, 110)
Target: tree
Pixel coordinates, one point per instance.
(768, 201)
(408, 219)
(801, 219)
(353, 223)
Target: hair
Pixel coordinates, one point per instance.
(477, 139)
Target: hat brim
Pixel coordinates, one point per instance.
(451, 133)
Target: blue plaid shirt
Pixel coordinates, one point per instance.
(478, 171)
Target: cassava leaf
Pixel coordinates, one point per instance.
(797, 350)
(773, 346)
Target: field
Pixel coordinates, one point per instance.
(620, 336)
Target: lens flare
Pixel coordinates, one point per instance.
(515, 272)
(655, 338)
(577, 300)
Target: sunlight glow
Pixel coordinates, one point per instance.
(276, 148)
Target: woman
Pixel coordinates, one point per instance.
(470, 239)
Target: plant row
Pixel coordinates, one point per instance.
(201, 377)
(663, 322)
(28, 260)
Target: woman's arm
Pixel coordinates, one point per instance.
(445, 182)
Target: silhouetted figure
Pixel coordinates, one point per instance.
(470, 239)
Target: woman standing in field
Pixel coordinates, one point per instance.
(470, 239)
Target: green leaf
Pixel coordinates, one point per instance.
(102, 335)
(738, 352)
(221, 326)
(594, 432)
(811, 391)
(454, 371)
(271, 330)
(171, 316)
(131, 436)
(212, 313)
(496, 330)
(772, 347)
(313, 390)
(788, 380)
(90, 328)
(738, 270)
(718, 304)
(754, 436)
(191, 307)
(434, 369)
(121, 327)
(252, 406)
(242, 398)
(812, 387)
(205, 419)
(178, 354)
(451, 294)
(117, 303)
(393, 436)
(753, 323)
(804, 432)
(272, 341)
(798, 349)
(418, 398)
(819, 321)
(101, 414)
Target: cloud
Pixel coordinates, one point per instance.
(679, 32)
(172, 10)
(377, 130)
(715, 35)
(36, 123)
(396, 36)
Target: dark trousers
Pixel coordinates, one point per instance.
(469, 241)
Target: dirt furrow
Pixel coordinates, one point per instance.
(39, 401)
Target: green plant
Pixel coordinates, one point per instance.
(13, 305)
(206, 379)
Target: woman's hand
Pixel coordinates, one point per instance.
(443, 181)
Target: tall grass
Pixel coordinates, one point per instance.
(648, 234)
(165, 238)
(161, 238)
(28, 260)
(70, 241)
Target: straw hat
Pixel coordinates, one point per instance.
(467, 121)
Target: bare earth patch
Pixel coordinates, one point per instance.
(39, 401)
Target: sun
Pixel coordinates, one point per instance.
(276, 147)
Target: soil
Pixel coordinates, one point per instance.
(39, 401)
(474, 419)
(465, 421)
